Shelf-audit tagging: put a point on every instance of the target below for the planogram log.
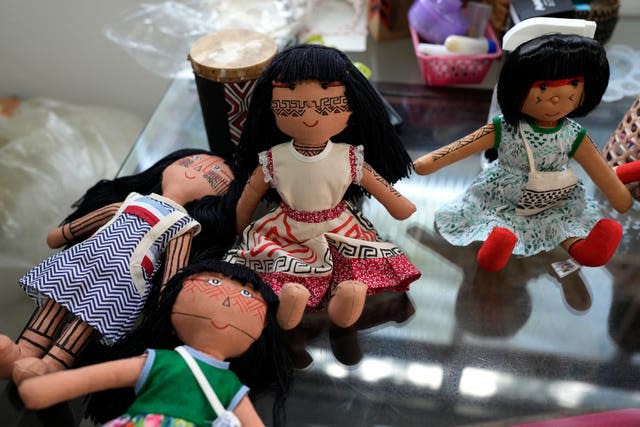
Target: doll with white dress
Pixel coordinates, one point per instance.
(317, 137)
(126, 235)
(545, 81)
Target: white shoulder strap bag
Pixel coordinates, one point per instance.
(543, 190)
(225, 418)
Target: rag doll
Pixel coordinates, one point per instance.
(224, 316)
(543, 82)
(127, 242)
(316, 138)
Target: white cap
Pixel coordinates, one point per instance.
(531, 28)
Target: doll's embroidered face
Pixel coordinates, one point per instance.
(310, 112)
(196, 176)
(213, 309)
(550, 100)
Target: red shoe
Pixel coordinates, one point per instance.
(599, 246)
(629, 172)
(495, 252)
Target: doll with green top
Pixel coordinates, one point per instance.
(224, 317)
(546, 80)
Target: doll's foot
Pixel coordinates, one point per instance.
(629, 172)
(9, 353)
(293, 302)
(30, 367)
(347, 303)
(495, 252)
(599, 246)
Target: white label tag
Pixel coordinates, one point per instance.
(566, 267)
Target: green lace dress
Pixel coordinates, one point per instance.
(491, 199)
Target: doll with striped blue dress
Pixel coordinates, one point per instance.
(125, 236)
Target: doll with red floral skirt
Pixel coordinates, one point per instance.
(317, 138)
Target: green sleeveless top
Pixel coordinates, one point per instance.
(167, 386)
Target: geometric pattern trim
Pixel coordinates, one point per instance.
(237, 96)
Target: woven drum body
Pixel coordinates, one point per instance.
(226, 65)
(624, 144)
(605, 14)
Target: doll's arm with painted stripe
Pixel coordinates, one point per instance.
(72, 231)
(177, 255)
(480, 140)
(250, 197)
(398, 206)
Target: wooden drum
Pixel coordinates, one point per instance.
(226, 65)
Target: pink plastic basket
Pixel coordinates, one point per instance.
(440, 70)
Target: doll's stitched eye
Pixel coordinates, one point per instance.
(291, 85)
(217, 168)
(214, 282)
(246, 293)
(324, 85)
(543, 86)
(575, 82)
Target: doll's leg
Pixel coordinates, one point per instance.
(347, 302)
(61, 355)
(293, 302)
(35, 339)
(598, 247)
(495, 252)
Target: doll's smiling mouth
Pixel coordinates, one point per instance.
(214, 324)
(308, 125)
(186, 175)
(552, 114)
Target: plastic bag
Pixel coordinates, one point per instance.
(50, 154)
(159, 35)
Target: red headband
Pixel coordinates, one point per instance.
(560, 82)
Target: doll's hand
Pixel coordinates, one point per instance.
(56, 237)
(34, 395)
(425, 165)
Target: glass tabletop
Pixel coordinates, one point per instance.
(462, 346)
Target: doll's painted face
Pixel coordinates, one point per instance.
(309, 111)
(551, 100)
(193, 177)
(218, 315)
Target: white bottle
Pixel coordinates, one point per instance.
(470, 45)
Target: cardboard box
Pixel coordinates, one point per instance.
(388, 19)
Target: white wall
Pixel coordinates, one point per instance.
(630, 8)
(57, 49)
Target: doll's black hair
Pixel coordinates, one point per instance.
(266, 367)
(552, 57)
(216, 214)
(368, 124)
